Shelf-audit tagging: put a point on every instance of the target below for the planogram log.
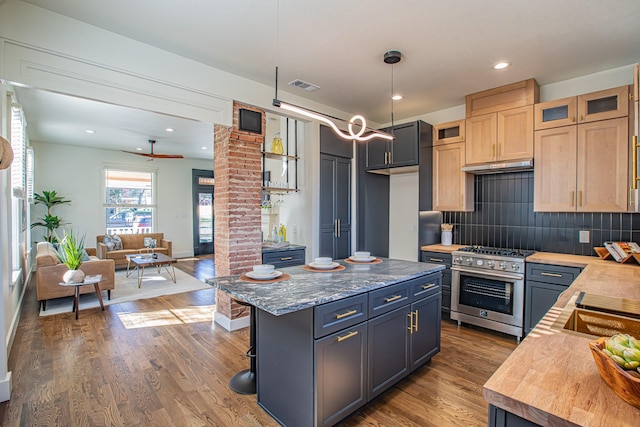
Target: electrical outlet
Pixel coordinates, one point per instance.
(583, 236)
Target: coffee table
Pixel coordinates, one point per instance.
(150, 260)
(88, 280)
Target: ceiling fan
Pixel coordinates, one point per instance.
(153, 155)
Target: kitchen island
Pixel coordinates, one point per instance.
(327, 343)
(551, 378)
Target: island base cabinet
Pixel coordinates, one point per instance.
(388, 350)
(341, 367)
(425, 336)
(501, 418)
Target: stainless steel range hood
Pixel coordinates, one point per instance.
(487, 168)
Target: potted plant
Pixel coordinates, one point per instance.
(71, 253)
(50, 222)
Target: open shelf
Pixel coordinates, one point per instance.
(275, 156)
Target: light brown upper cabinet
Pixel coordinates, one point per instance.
(582, 168)
(502, 136)
(446, 133)
(452, 189)
(601, 105)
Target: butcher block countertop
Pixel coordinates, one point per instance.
(441, 248)
(551, 378)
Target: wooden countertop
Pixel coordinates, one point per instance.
(551, 378)
(441, 248)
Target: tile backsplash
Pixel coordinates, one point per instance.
(504, 217)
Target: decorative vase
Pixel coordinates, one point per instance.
(73, 276)
(276, 146)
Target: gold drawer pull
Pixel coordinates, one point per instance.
(429, 286)
(551, 274)
(346, 337)
(393, 298)
(436, 260)
(348, 313)
(289, 258)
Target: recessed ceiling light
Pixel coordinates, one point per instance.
(90, 131)
(501, 65)
(138, 149)
(169, 129)
(203, 148)
(396, 97)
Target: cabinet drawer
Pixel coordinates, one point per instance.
(436, 257)
(389, 298)
(557, 274)
(333, 316)
(284, 258)
(425, 286)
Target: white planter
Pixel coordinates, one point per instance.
(73, 276)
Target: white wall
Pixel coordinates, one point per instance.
(76, 173)
(403, 217)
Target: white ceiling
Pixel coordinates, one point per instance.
(448, 46)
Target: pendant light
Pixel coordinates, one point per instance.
(392, 57)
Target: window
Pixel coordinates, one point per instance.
(18, 187)
(129, 200)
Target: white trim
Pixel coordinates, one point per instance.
(231, 325)
(5, 388)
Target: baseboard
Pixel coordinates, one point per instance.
(182, 254)
(5, 388)
(231, 325)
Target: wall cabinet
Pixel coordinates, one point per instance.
(316, 366)
(441, 258)
(335, 206)
(447, 133)
(595, 106)
(452, 188)
(543, 284)
(385, 157)
(582, 168)
(503, 136)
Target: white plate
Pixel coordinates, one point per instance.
(353, 258)
(324, 266)
(261, 276)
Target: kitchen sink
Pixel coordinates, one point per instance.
(595, 321)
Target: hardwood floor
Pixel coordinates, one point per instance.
(164, 362)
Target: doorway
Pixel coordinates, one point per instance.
(203, 221)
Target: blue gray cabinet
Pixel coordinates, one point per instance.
(285, 257)
(500, 418)
(441, 258)
(318, 365)
(335, 206)
(402, 151)
(543, 284)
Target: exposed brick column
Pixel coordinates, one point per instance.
(237, 194)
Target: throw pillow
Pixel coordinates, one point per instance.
(85, 256)
(108, 241)
(117, 242)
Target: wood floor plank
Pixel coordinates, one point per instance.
(164, 362)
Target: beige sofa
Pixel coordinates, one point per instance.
(132, 244)
(49, 272)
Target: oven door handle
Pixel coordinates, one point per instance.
(488, 273)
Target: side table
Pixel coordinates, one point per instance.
(88, 280)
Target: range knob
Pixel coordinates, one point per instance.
(503, 265)
(515, 267)
(458, 260)
(491, 264)
(469, 261)
(479, 262)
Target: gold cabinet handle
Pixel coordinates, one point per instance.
(289, 258)
(550, 274)
(634, 163)
(436, 260)
(573, 119)
(346, 337)
(338, 227)
(393, 298)
(415, 325)
(581, 118)
(572, 198)
(429, 286)
(493, 150)
(335, 227)
(348, 313)
(410, 327)
(580, 198)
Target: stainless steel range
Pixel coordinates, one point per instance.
(487, 288)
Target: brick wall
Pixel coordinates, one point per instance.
(237, 195)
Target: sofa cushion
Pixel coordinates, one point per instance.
(113, 242)
(121, 253)
(46, 255)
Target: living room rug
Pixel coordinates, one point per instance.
(126, 289)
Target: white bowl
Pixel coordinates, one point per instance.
(263, 268)
(362, 254)
(323, 260)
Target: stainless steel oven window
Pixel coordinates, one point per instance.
(489, 294)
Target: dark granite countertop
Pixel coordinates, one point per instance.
(288, 247)
(307, 288)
